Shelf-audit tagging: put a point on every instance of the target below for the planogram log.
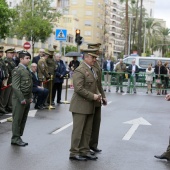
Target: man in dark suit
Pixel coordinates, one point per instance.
(108, 68)
(40, 91)
(133, 71)
(60, 72)
(37, 58)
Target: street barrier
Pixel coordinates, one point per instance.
(140, 82)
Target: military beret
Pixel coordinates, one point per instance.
(1, 49)
(10, 50)
(23, 52)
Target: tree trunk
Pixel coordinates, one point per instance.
(135, 23)
(140, 31)
(126, 29)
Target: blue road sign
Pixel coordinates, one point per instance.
(61, 34)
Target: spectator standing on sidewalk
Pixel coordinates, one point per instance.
(149, 78)
(133, 71)
(108, 68)
(120, 70)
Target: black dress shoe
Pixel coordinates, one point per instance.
(59, 102)
(20, 143)
(77, 158)
(38, 107)
(96, 150)
(162, 157)
(122, 91)
(90, 157)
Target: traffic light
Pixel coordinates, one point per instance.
(78, 38)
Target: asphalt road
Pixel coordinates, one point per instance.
(48, 151)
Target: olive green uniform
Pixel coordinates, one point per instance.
(97, 114)
(22, 90)
(82, 107)
(42, 70)
(5, 72)
(51, 69)
(8, 91)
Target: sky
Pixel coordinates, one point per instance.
(162, 10)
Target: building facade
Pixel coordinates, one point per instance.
(149, 5)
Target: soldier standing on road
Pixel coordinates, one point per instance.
(8, 91)
(120, 69)
(166, 154)
(5, 77)
(51, 69)
(82, 108)
(21, 98)
(97, 113)
(43, 68)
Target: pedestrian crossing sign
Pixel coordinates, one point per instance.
(61, 34)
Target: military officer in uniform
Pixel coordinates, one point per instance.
(5, 77)
(51, 69)
(43, 68)
(10, 66)
(21, 98)
(85, 95)
(97, 114)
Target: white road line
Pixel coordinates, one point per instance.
(62, 128)
(109, 102)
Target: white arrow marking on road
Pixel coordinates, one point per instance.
(135, 124)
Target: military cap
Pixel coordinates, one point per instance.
(26, 53)
(10, 50)
(51, 51)
(94, 45)
(47, 53)
(92, 52)
(1, 49)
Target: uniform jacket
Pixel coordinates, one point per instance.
(129, 70)
(36, 59)
(43, 70)
(35, 82)
(85, 86)
(10, 66)
(51, 65)
(4, 68)
(60, 70)
(22, 83)
(99, 82)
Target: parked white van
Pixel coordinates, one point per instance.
(144, 62)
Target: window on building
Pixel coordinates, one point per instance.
(87, 33)
(87, 23)
(10, 4)
(74, 1)
(89, 2)
(88, 12)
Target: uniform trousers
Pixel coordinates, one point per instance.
(95, 128)
(20, 114)
(81, 133)
(7, 102)
(120, 79)
(57, 87)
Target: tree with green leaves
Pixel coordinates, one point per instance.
(35, 20)
(6, 16)
(69, 48)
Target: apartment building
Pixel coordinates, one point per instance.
(149, 5)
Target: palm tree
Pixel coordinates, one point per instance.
(164, 35)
